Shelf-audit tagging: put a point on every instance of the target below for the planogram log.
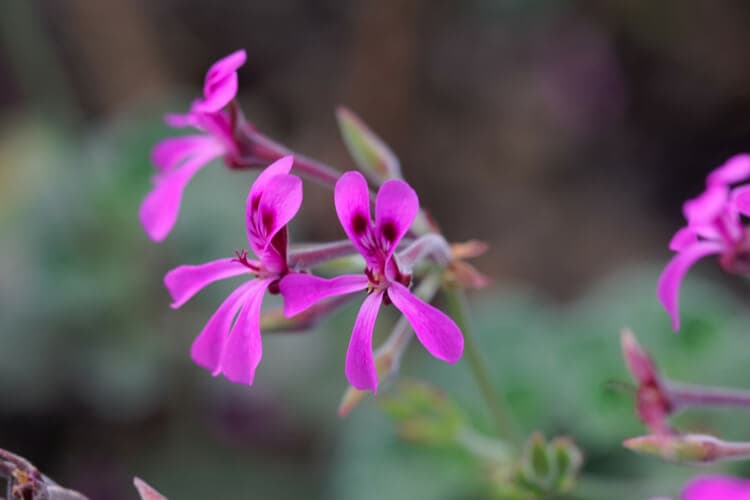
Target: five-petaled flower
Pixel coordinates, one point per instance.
(714, 226)
(179, 158)
(275, 197)
(396, 207)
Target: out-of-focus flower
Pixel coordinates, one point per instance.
(652, 399)
(177, 159)
(716, 487)
(147, 492)
(713, 227)
(396, 207)
(235, 351)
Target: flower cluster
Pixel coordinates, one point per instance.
(714, 227)
(230, 342)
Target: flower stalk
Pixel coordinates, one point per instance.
(457, 303)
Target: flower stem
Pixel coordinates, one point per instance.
(689, 396)
(457, 302)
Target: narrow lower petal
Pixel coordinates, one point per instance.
(741, 200)
(352, 199)
(684, 237)
(705, 208)
(243, 348)
(207, 347)
(277, 205)
(437, 332)
(736, 169)
(668, 289)
(175, 150)
(220, 85)
(301, 291)
(717, 487)
(396, 207)
(185, 281)
(159, 210)
(360, 362)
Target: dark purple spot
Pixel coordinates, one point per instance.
(267, 220)
(389, 231)
(359, 224)
(254, 202)
(273, 288)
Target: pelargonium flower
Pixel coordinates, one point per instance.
(179, 158)
(714, 227)
(235, 350)
(717, 487)
(396, 207)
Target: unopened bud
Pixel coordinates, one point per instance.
(550, 466)
(689, 448)
(147, 492)
(653, 403)
(370, 153)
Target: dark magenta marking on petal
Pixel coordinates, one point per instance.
(254, 203)
(267, 219)
(389, 231)
(359, 224)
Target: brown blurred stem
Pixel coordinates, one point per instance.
(459, 306)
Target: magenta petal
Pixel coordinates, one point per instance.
(277, 205)
(243, 348)
(717, 488)
(161, 206)
(736, 169)
(207, 347)
(668, 289)
(281, 166)
(220, 86)
(396, 207)
(300, 291)
(185, 281)
(682, 238)
(705, 208)
(435, 330)
(741, 200)
(173, 151)
(352, 200)
(360, 362)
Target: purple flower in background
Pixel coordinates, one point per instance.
(713, 227)
(717, 488)
(235, 350)
(177, 159)
(396, 207)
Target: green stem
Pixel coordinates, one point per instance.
(504, 424)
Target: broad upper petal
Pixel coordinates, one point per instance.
(668, 289)
(278, 203)
(220, 85)
(437, 332)
(705, 208)
(207, 347)
(243, 348)
(159, 210)
(300, 291)
(360, 362)
(185, 281)
(396, 206)
(352, 200)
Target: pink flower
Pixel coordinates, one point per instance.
(178, 158)
(716, 487)
(235, 350)
(396, 207)
(713, 227)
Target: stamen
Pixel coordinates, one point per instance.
(242, 259)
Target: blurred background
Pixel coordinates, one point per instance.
(566, 134)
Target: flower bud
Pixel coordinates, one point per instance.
(370, 153)
(688, 448)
